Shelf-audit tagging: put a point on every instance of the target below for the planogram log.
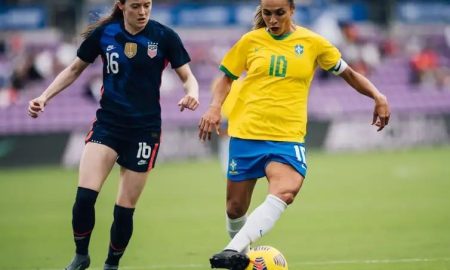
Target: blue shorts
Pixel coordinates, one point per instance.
(137, 149)
(248, 158)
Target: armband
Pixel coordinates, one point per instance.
(339, 67)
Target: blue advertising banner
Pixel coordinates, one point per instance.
(219, 15)
(423, 12)
(22, 18)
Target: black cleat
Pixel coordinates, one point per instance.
(229, 259)
(79, 262)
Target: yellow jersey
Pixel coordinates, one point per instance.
(229, 102)
(273, 98)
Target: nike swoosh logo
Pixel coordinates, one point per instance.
(338, 67)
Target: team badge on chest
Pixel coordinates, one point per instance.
(152, 49)
(299, 49)
(130, 49)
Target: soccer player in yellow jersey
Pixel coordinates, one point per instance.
(267, 124)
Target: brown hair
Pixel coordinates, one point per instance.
(116, 13)
(258, 21)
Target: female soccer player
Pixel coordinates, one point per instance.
(135, 50)
(268, 122)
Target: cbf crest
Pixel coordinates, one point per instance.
(298, 49)
(152, 49)
(130, 49)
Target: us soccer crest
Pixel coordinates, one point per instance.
(130, 49)
(152, 49)
(299, 49)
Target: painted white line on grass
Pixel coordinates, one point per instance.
(374, 261)
(205, 266)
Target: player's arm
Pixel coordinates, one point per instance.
(361, 84)
(190, 85)
(61, 82)
(211, 118)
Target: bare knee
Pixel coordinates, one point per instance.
(235, 209)
(287, 197)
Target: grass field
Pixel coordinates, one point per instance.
(374, 211)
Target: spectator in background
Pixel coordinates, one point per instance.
(25, 71)
(424, 67)
(363, 56)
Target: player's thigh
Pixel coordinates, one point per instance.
(284, 181)
(138, 151)
(239, 195)
(131, 185)
(96, 163)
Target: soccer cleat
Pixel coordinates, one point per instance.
(229, 259)
(79, 262)
(110, 267)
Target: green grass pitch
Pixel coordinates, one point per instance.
(356, 211)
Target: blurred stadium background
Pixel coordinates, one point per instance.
(372, 200)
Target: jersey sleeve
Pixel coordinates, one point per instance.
(234, 62)
(177, 53)
(90, 47)
(328, 54)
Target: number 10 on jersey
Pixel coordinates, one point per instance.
(278, 66)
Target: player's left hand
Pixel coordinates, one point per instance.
(381, 113)
(188, 102)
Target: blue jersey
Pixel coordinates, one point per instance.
(132, 69)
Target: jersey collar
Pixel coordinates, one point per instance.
(280, 37)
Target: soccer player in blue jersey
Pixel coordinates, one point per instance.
(135, 50)
(267, 123)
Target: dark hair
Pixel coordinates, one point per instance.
(116, 13)
(258, 21)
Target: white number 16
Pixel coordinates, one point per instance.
(144, 150)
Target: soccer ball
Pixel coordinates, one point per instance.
(266, 258)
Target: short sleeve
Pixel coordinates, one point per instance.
(234, 62)
(328, 54)
(90, 47)
(177, 54)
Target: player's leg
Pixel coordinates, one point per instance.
(130, 188)
(284, 170)
(239, 195)
(246, 164)
(137, 157)
(284, 183)
(95, 165)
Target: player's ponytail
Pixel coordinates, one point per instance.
(116, 13)
(258, 21)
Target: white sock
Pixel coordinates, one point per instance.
(234, 225)
(260, 221)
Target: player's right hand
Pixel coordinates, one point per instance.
(211, 119)
(36, 106)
